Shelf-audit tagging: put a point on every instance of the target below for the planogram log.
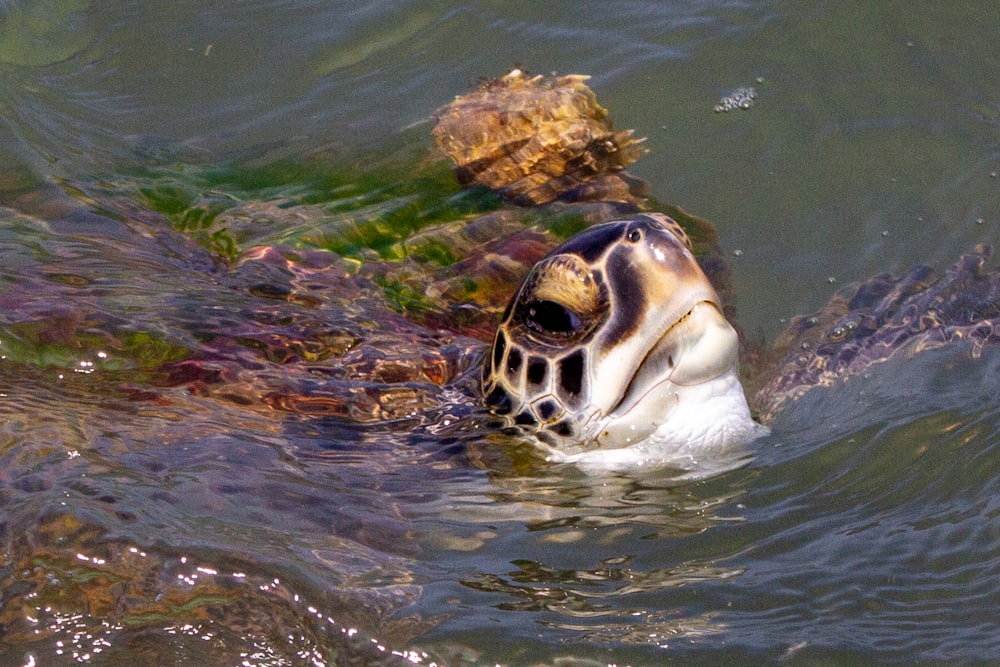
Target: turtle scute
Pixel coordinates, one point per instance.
(538, 139)
(870, 322)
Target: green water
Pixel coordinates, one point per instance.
(214, 452)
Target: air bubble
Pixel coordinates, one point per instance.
(741, 98)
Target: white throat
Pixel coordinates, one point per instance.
(701, 423)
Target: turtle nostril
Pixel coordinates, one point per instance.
(499, 401)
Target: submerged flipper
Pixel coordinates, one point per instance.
(868, 323)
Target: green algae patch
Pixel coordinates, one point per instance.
(433, 247)
(55, 343)
(355, 214)
(406, 298)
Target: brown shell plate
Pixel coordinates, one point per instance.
(537, 139)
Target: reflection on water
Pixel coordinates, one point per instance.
(78, 594)
(237, 360)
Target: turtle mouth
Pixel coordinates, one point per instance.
(698, 347)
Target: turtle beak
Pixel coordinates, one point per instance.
(697, 348)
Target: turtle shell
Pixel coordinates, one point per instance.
(538, 139)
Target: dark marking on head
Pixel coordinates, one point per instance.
(499, 346)
(547, 410)
(629, 298)
(593, 242)
(537, 370)
(513, 361)
(565, 429)
(547, 437)
(498, 401)
(525, 418)
(571, 374)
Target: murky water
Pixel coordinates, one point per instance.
(222, 444)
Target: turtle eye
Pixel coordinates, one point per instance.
(549, 317)
(561, 301)
(634, 236)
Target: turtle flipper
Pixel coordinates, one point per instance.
(868, 323)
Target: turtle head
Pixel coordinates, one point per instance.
(616, 340)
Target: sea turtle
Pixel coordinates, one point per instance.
(616, 349)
